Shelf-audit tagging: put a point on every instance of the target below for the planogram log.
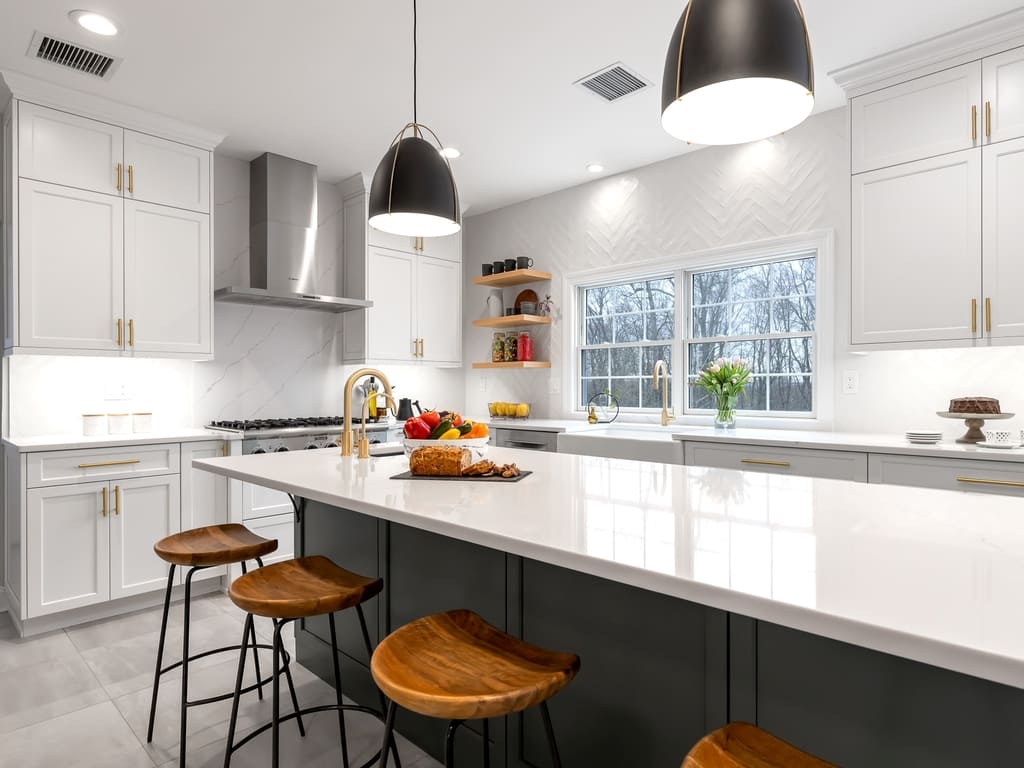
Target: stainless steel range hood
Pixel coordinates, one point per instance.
(283, 269)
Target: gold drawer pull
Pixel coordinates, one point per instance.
(131, 333)
(109, 463)
(103, 494)
(988, 119)
(988, 315)
(120, 332)
(974, 122)
(1001, 483)
(131, 179)
(117, 499)
(974, 315)
(765, 462)
(119, 172)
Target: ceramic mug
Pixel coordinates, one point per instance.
(523, 262)
(498, 267)
(510, 265)
(487, 269)
(998, 436)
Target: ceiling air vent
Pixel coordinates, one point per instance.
(612, 83)
(72, 55)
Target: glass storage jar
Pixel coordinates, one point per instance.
(525, 351)
(511, 348)
(498, 348)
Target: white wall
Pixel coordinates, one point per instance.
(719, 196)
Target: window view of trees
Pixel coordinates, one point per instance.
(763, 312)
(626, 329)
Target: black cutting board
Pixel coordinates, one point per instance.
(492, 479)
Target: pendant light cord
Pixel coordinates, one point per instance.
(415, 118)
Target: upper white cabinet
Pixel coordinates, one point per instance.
(917, 251)
(1003, 88)
(1003, 237)
(921, 118)
(66, 149)
(71, 286)
(112, 252)
(415, 284)
(166, 172)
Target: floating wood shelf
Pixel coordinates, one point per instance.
(512, 321)
(515, 277)
(516, 364)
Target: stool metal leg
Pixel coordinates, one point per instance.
(383, 701)
(487, 744)
(449, 743)
(556, 762)
(184, 668)
(288, 677)
(255, 651)
(275, 729)
(238, 690)
(337, 690)
(160, 652)
(389, 727)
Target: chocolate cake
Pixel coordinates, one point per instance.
(974, 405)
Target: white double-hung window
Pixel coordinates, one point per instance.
(762, 307)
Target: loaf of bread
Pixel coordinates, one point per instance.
(446, 460)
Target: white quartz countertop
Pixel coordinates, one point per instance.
(70, 442)
(542, 425)
(934, 576)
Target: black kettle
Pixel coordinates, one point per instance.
(405, 408)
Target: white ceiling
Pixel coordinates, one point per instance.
(328, 81)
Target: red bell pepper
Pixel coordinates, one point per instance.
(432, 419)
(417, 428)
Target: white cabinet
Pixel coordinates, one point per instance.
(168, 294)
(66, 149)
(113, 251)
(204, 495)
(1000, 477)
(448, 248)
(68, 547)
(71, 270)
(166, 172)
(439, 311)
(280, 527)
(145, 510)
(837, 465)
(1003, 87)
(916, 265)
(928, 116)
(1003, 238)
(391, 321)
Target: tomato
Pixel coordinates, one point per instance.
(432, 418)
(417, 428)
(456, 419)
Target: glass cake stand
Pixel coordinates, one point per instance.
(974, 422)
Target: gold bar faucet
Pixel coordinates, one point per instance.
(350, 382)
(661, 367)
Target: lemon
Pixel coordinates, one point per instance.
(522, 410)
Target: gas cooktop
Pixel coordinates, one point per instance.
(287, 427)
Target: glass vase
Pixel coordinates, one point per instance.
(725, 417)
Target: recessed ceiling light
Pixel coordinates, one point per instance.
(595, 167)
(450, 152)
(94, 22)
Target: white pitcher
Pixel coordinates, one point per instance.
(495, 302)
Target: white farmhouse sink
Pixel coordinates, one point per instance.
(626, 441)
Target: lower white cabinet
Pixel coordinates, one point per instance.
(204, 495)
(1001, 477)
(145, 510)
(837, 465)
(280, 527)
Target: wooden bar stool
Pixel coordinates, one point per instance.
(299, 589)
(741, 745)
(457, 667)
(197, 549)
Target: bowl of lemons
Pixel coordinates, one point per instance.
(508, 410)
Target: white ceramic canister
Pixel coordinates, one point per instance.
(142, 422)
(495, 304)
(119, 423)
(94, 424)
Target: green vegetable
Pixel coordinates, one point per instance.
(464, 428)
(440, 429)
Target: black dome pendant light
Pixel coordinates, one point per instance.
(737, 71)
(413, 191)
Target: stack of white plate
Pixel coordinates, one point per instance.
(923, 436)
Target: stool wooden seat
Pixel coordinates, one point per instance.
(300, 588)
(456, 666)
(741, 745)
(213, 545)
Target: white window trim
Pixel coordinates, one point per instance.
(821, 241)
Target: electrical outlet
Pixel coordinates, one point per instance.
(116, 390)
(555, 385)
(851, 382)
(483, 383)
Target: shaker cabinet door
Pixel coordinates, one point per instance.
(1003, 264)
(391, 321)
(440, 315)
(166, 172)
(143, 511)
(1003, 86)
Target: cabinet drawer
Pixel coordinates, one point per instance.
(526, 438)
(280, 527)
(64, 467)
(837, 465)
(1000, 477)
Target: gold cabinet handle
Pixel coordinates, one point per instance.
(765, 462)
(421, 347)
(974, 315)
(974, 122)
(120, 170)
(131, 179)
(131, 331)
(117, 499)
(988, 315)
(109, 463)
(103, 495)
(120, 332)
(981, 481)
(224, 450)
(988, 119)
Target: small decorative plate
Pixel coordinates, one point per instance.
(605, 406)
(985, 444)
(526, 295)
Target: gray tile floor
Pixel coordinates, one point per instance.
(80, 697)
